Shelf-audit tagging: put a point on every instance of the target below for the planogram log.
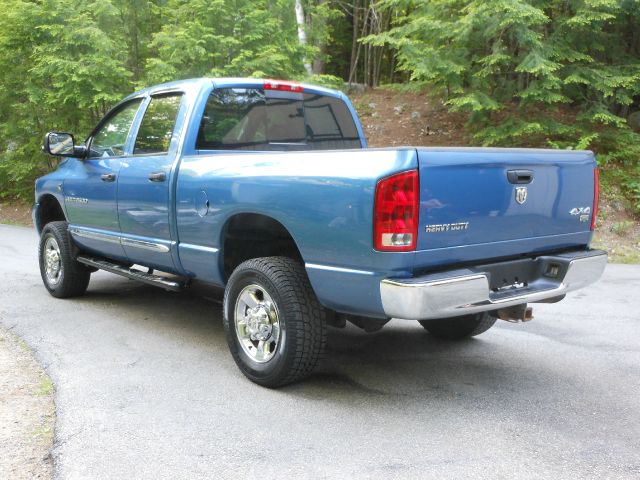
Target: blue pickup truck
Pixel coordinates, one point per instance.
(268, 189)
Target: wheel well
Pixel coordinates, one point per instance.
(49, 210)
(251, 235)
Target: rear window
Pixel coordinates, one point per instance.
(255, 119)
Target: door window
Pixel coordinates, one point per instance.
(156, 129)
(111, 137)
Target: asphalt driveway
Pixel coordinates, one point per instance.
(145, 388)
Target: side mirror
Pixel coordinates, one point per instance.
(62, 145)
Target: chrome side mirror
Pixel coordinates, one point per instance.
(62, 145)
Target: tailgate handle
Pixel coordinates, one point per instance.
(520, 176)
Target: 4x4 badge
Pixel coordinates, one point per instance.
(521, 195)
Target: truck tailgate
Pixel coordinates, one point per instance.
(469, 199)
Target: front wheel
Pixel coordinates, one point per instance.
(61, 274)
(457, 328)
(274, 324)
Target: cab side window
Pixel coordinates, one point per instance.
(111, 137)
(156, 129)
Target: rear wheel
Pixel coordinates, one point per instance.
(61, 274)
(275, 326)
(457, 328)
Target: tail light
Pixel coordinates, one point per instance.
(395, 222)
(596, 195)
(282, 86)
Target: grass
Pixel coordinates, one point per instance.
(629, 258)
(622, 228)
(9, 221)
(45, 387)
(618, 254)
(32, 404)
(44, 431)
(23, 345)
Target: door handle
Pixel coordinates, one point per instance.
(108, 177)
(158, 176)
(520, 176)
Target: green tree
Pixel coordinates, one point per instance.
(58, 69)
(226, 38)
(511, 62)
(519, 66)
(559, 73)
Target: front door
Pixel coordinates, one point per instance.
(144, 186)
(90, 190)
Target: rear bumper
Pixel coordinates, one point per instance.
(471, 290)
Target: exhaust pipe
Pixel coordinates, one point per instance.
(515, 314)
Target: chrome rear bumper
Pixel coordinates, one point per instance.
(471, 290)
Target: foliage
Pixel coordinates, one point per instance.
(225, 38)
(518, 66)
(64, 63)
(52, 63)
(554, 73)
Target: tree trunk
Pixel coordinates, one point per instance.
(321, 42)
(137, 71)
(302, 36)
(318, 63)
(366, 29)
(354, 42)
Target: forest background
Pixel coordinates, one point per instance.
(539, 73)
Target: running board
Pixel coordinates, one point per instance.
(149, 278)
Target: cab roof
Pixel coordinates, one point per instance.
(229, 82)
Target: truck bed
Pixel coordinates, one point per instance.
(326, 201)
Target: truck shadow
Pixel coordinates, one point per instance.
(402, 360)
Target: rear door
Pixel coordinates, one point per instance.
(144, 185)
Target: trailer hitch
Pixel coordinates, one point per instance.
(515, 314)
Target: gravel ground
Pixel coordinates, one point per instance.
(27, 412)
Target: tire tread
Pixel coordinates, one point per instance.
(75, 275)
(305, 316)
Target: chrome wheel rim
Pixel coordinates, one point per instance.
(257, 323)
(52, 261)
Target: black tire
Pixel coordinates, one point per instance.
(457, 328)
(299, 317)
(71, 278)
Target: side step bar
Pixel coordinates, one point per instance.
(151, 279)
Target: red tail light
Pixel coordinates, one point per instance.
(282, 86)
(395, 222)
(596, 195)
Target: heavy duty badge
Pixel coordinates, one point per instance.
(521, 195)
(447, 227)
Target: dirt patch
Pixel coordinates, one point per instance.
(392, 118)
(27, 412)
(16, 212)
(617, 231)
